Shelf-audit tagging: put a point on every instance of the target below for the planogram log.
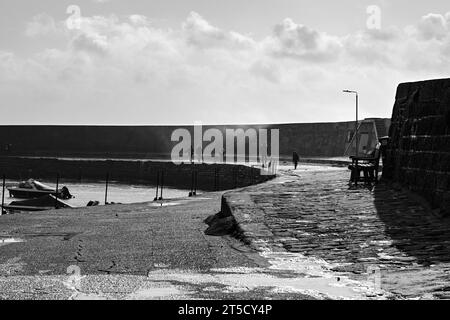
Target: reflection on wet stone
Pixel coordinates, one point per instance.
(354, 229)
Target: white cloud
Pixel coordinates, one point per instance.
(299, 41)
(266, 69)
(41, 24)
(433, 26)
(126, 70)
(199, 32)
(90, 42)
(137, 19)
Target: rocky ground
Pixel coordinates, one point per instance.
(139, 251)
(304, 235)
(380, 234)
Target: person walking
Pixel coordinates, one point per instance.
(295, 159)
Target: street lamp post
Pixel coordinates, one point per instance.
(356, 122)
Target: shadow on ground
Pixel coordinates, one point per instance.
(412, 227)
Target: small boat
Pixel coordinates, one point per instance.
(47, 202)
(35, 189)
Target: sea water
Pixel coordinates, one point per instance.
(84, 192)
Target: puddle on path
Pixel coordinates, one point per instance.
(288, 273)
(231, 281)
(164, 204)
(6, 241)
(156, 293)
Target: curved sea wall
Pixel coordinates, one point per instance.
(418, 154)
(154, 142)
(210, 177)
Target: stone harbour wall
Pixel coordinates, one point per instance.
(210, 177)
(418, 154)
(154, 142)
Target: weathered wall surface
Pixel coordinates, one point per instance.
(418, 154)
(309, 139)
(211, 177)
(315, 139)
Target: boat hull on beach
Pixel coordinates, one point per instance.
(46, 202)
(23, 193)
(31, 189)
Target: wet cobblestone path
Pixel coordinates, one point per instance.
(315, 213)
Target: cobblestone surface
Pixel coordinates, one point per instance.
(315, 213)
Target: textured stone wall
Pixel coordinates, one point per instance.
(418, 155)
(210, 177)
(308, 139)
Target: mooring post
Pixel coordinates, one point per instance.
(3, 194)
(215, 179)
(56, 194)
(191, 193)
(218, 180)
(162, 185)
(195, 182)
(157, 186)
(106, 188)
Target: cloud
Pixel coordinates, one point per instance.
(127, 70)
(433, 26)
(298, 41)
(41, 24)
(267, 70)
(199, 32)
(90, 42)
(139, 20)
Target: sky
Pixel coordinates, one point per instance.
(136, 62)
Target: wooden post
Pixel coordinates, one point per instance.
(162, 185)
(193, 182)
(3, 194)
(218, 180)
(56, 194)
(215, 179)
(196, 182)
(157, 186)
(106, 188)
(191, 193)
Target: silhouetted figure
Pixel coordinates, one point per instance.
(295, 159)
